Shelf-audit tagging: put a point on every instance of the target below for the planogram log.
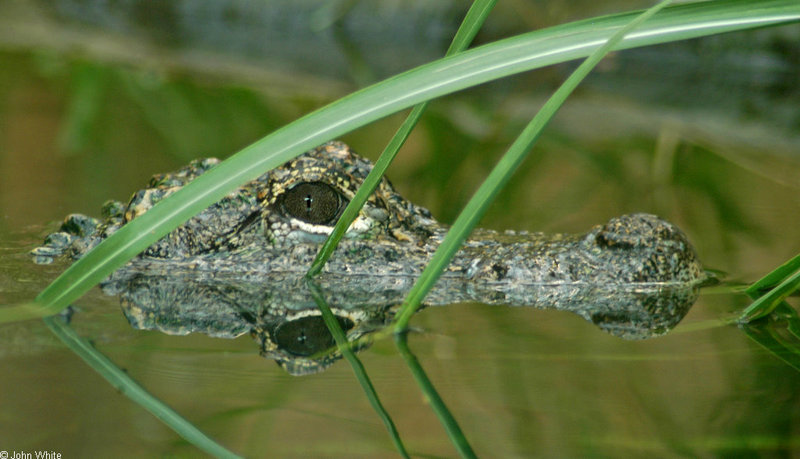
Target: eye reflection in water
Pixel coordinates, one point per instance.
(238, 266)
(284, 320)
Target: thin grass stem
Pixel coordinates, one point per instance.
(473, 21)
(482, 64)
(503, 171)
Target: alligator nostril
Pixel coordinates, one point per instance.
(499, 270)
(634, 230)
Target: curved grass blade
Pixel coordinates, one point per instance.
(355, 363)
(131, 389)
(444, 76)
(437, 404)
(502, 172)
(473, 21)
(768, 302)
(774, 277)
(785, 277)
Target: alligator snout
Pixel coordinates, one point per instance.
(646, 248)
(631, 249)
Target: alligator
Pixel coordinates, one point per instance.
(634, 276)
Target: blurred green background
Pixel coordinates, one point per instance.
(96, 96)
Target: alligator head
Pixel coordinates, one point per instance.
(626, 275)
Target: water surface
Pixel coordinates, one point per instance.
(710, 143)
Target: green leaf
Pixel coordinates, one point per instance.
(785, 277)
(502, 172)
(475, 17)
(774, 277)
(470, 68)
(768, 302)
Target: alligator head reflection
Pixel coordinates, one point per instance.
(238, 265)
(282, 316)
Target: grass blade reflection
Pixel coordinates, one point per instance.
(355, 363)
(437, 404)
(767, 334)
(131, 389)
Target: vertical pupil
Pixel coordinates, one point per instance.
(312, 202)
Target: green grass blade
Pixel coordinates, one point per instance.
(127, 386)
(355, 363)
(463, 70)
(432, 396)
(365, 190)
(785, 277)
(473, 21)
(774, 277)
(769, 301)
(502, 172)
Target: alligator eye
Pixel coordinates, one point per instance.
(313, 202)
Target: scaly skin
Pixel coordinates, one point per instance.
(253, 232)
(238, 266)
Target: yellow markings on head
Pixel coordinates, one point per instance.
(400, 235)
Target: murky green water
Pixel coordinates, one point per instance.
(704, 134)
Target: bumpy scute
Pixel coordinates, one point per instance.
(277, 223)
